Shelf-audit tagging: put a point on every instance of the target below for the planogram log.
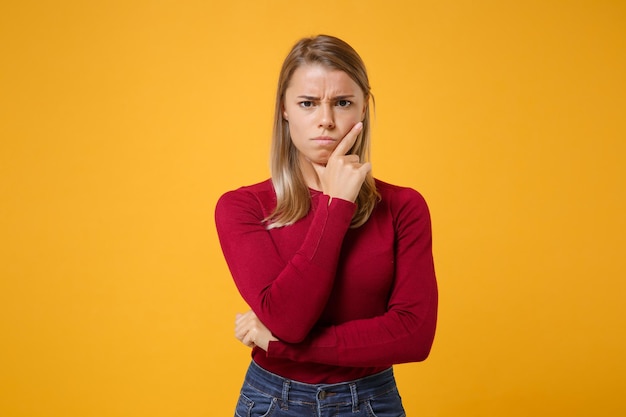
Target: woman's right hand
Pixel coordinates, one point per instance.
(343, 174)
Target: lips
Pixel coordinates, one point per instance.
(325, 140)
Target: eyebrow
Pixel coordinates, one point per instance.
(342, 97)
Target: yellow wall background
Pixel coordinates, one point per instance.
(121, 122)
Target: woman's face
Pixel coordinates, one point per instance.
(321, 106)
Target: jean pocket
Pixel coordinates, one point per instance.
(386, 405)
(255, 405)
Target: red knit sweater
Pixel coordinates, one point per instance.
(345, 303)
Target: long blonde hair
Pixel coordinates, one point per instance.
(292, 194)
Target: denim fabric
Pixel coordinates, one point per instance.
(265, 394)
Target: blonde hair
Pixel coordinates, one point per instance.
(292, 194)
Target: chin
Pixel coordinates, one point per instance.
(317, 159)
(321, 161)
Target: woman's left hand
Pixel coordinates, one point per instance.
(251, 332)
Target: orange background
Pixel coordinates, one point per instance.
(121, 122)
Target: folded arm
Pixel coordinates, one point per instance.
(288, 294)
(405, 332)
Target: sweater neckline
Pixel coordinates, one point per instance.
(314, 192)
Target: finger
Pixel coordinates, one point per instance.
(240, 320)
(248, 339)
(240, 331)
(243, 317)
(247, 342)
(348, 140)
(239, 335)
(366, 167)
(245, 336)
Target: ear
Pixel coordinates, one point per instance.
(285, 116)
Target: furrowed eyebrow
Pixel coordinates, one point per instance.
(312, 98)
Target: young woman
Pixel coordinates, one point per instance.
(335, 265)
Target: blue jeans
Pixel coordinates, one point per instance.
(265, 394)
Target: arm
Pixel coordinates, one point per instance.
(288, 295)
(405, 332)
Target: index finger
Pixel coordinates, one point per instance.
(348, 140)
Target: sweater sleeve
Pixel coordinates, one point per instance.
(288, 295)
(405, 332)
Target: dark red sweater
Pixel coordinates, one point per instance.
(345, 303)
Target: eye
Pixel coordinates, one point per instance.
(344, 103)
(306, 104)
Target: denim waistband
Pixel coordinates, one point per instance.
(289, 390)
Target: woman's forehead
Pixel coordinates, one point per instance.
(317, 79)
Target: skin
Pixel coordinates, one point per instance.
(324, 109)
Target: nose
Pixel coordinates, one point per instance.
(327, 117)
